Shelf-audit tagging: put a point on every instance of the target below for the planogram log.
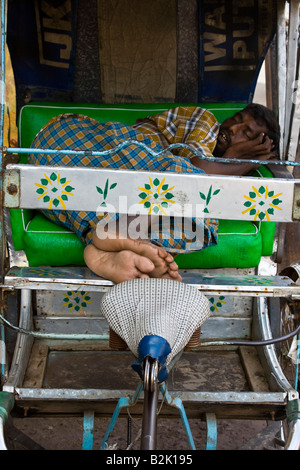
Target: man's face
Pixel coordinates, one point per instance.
(241, 127)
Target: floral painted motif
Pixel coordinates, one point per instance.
(54, 190)
(77, 301)
(216, 304)
(156, 196)
(261, 203)
(207, 198)
(104, 192)
(43, 272)
(259, 281)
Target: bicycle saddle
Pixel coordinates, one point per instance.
(155, 317)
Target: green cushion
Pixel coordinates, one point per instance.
(46, 243)
(240, 244)
(19, 219)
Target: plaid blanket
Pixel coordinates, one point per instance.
(76, 132)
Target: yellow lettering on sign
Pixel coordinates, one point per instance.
(240, 51)
(62, 39)
(215, 18)
(53, 19)
(243, 27)
(211, 46)
(248, 31)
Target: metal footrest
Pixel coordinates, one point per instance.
(47, 278)
(256, 405)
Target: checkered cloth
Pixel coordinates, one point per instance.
(191, 125)
(194, 126)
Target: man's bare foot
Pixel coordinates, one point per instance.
(164, 264)
(117, 266)
(126, 265)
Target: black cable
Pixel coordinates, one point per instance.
(264, 342)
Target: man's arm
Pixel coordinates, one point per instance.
(259, 148)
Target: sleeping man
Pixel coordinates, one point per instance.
(252, 133)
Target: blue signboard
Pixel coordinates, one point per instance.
(41, 38)
(234, 37)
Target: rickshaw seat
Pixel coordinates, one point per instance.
(241, 243)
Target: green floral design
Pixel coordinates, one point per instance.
(261, 281)
(104, 192)
(208, 198)
(216, 304)
(43, 272)
(156, 196)
(54, 190)
(261, 203)
(77, 301)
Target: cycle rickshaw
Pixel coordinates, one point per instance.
(58, 354)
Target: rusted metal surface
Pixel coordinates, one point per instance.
(11, 187)
(226, 405)
(81, 278)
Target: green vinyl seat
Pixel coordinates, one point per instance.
(241, 244)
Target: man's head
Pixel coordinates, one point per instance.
(248, 124)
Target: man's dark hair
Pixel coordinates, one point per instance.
(266, 116)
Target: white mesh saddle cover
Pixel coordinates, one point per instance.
(169, 309)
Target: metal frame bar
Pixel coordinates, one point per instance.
(212, 431)
(21, 183)
(23, 345)
(124, 402)
(177, 403)
(24, 342)
(291, 76)
(88, 429)
(82, 278)
(2, 229)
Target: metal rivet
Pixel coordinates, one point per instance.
(12, 189)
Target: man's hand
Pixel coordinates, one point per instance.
(259, 148)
